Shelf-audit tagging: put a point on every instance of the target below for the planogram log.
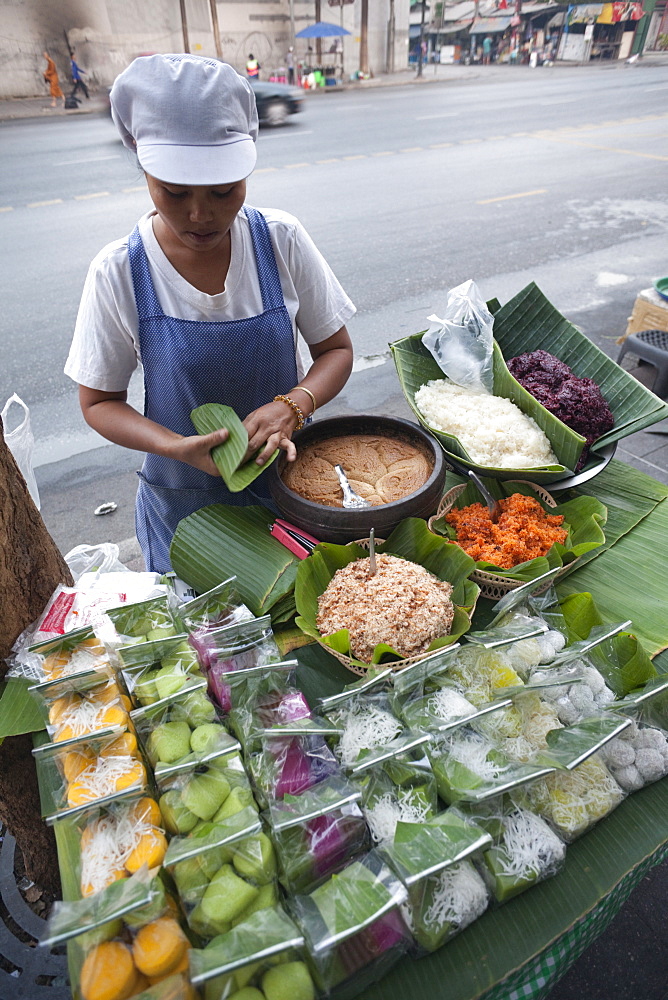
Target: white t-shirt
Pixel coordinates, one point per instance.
(105, 347)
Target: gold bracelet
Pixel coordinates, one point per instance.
(301, 419)
(308, 393)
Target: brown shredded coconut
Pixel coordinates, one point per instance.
(402, 604)
(523, 531)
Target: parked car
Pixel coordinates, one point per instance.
(275, 101)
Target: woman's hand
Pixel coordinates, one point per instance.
(271, 425)
(111, 416)
(196, 450)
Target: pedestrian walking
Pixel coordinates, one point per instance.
(208, 293)
(51, 76)
(486, 50)
(290, 63)
(76, 72)
(252, 68)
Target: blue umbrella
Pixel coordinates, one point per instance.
(321, 30)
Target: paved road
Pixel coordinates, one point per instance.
(556, 176)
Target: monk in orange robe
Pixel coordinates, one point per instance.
(51, 77)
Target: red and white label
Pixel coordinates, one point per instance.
(57, 615)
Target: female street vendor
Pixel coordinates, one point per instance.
(207, 293)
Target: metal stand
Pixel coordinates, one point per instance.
(26, 971)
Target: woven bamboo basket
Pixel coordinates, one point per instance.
(495, 585)
(353, 665)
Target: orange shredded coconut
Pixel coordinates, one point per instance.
(523, 531)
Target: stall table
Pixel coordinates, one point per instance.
(520, 950)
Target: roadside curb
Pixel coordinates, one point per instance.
(12, 109)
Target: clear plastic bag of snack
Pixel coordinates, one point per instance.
(233, 649)
(469, 767)
(263, 697)
(569, 746)
(525, 850)
(367, 723)
(434, 861)
(115, 839)
(182, 732)
(86, 772)
(77, 706)
(145, 621)
(217, 608)
(127, 941)
(159, 669)
(291, 763)
(203, 794)
(316, 833)
(261, 958)
(647, 704)
(438, 704)
(638, 756)
(574, 691)
(73, 653)
(224, 871)
(353, 925)
(573, 801)
(397, 790)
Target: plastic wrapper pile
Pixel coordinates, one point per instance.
(230, 841)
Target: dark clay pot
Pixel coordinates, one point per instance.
(334, 524)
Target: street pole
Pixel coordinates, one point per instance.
(364, 36)
(390, 39)
(292, 23)
(318, 41)
(184, 26)
(419, 67)
(216, 32)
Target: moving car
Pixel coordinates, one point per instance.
(275, 101)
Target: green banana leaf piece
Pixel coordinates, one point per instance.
(230, 456)
(583, 518)
(628, 580)
(529, 322)
(622, 660)
(416, 365)
(220, 541)
(411, 540)
(19, 710)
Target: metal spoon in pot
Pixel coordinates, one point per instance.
(492, 503)
(372, 552)
(351, 500)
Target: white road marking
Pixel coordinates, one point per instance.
(660, 86)
(444, 114)
(559, 100)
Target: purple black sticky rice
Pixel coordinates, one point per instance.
(578, 402)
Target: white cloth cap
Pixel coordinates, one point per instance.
(192, 120)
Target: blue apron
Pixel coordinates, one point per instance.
(243, 363)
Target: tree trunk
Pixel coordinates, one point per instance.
(31, 567)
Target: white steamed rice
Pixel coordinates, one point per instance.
(494, 432)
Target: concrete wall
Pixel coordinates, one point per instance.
(108, 34)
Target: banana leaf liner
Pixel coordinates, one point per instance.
(415, 366)
(530, 322)
(412, 541)
(583, 516)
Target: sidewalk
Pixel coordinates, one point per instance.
(40, 107)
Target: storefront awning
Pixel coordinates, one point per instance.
(490, 25)
(455, 29)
